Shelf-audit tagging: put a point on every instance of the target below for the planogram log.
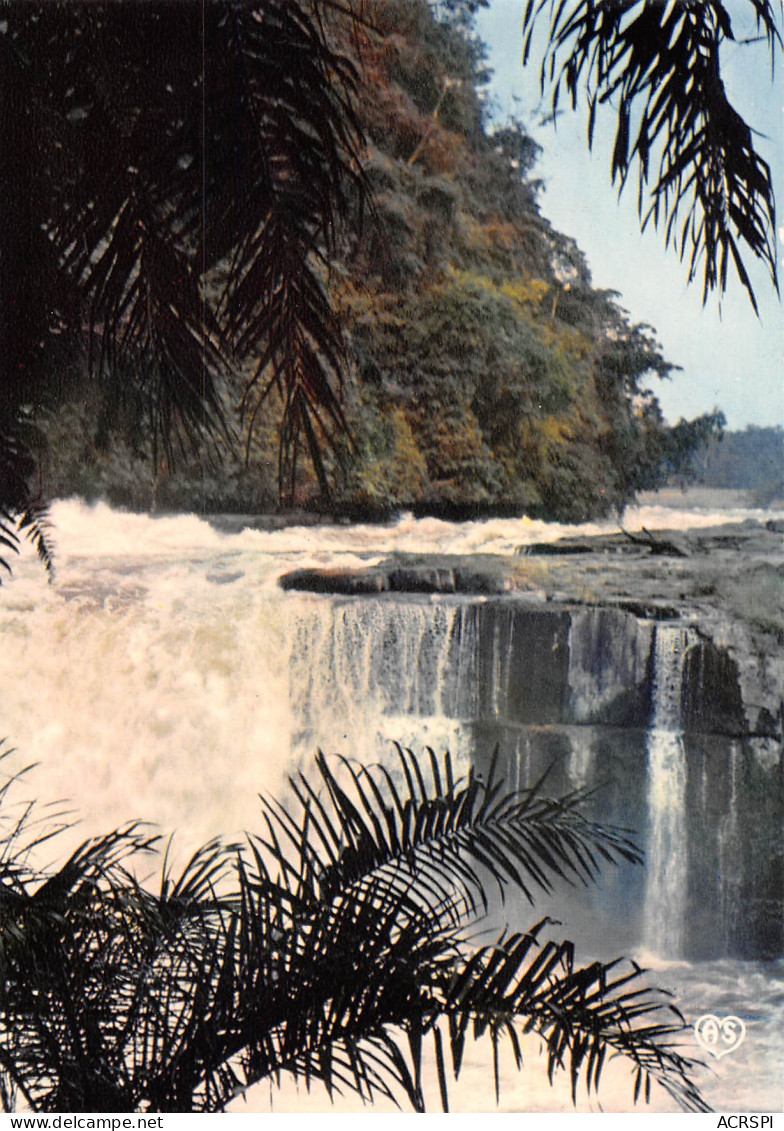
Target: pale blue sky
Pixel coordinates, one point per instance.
(731, 359)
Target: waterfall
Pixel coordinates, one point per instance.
(166, 676)
(608, 660)
(667, 854)
(582, 759)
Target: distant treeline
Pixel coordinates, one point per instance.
(751, 460)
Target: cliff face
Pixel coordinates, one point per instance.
(528, 662)
(656, 680)
(599, 597)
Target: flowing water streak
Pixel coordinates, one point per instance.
(363, 674)
(582, 759)
(667, 855)
(153, 679)
(731, 853)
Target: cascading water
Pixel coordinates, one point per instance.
(582, 761)
(731, 854)
(166, 676)
(365, 673)
(667, 855)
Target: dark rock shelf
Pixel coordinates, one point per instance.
(727, 582)
(401, 576)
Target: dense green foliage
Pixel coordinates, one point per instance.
(488, 373)
(174, 178)
(330, 947)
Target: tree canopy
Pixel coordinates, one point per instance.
(146, 149)
(183, 188)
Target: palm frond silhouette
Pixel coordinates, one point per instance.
(332, 946)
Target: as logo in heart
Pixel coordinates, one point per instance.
(719, 1035)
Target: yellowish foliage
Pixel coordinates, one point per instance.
(544, 439)
(555, 431)
(403, 474)
(442, 151)
(526, 292)
(489, 235)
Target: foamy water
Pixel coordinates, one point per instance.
(152, 680)
(85, 530)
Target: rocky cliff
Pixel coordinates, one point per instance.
(725, 583)
(581, 659)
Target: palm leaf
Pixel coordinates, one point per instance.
(187, 205)
(581, 1014)
(22, 511)
(441, 834)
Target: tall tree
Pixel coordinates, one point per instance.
(175, 178)
(150, 150)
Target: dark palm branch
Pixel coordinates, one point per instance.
(374, 881)
(22, 512)
(301, 176)
(334, 951)
(432, 833)
(699, 173)
(582, 1014)
(175, 179)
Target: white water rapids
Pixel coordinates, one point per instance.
(154, 680)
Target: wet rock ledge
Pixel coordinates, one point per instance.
(725, 582)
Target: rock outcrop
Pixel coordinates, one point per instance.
(727, 583)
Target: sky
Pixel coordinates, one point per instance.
(730, 359)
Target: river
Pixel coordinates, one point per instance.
(165, 675)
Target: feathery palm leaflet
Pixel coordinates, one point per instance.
(334, 946)
(175, 180)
